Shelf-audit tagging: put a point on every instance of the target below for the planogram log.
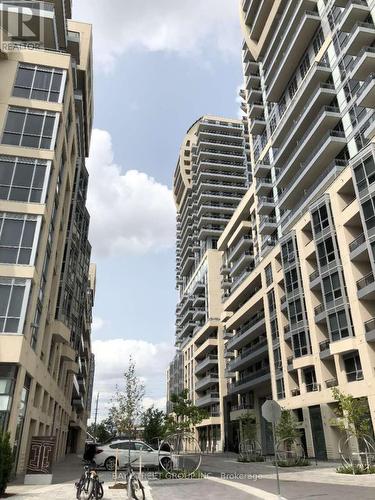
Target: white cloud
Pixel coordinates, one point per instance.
(130, 211)
(111, 361)
(97, 324)
(183, 26)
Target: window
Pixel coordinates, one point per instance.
(295, 311)
(268, 274)
(320, 219)
(280, 388)
(291, 280)
(369, 213)
(142, 447)
(300, 345)
(39, 82)
(271, 302)
(305, 66)
(326, 252)
(292, 89)
(287, 251)
(8, 376)
(310, 379)
(353, 367)
(23, 179)
(30, 128)
(277, 359)
(338, 324)
(274, 329)
(365, 173)
(17, 238)
(318, 41)
(13, 300)
(123, 445)
(332, 287)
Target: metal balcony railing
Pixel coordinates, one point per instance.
(370, 325)
(324, 345)
(357, 242)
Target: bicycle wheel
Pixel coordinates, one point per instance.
(99, 490)
(138, 492)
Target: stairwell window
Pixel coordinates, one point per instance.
(18, 238)
(326, 252)
(39, 82)
(332, 287)
(320, 219)
(369, 213)
(365, 173)
(338, 324)
(30, 128)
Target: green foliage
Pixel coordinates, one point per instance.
(154, 424)
(353, 414)
(6, 461)
(356, 469)
(101, 433)
(185, 414)
(297, 462)
(253, 458)
(248, 427)
(126, 407)
(287, 429)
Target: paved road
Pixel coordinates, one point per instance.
(226, 479)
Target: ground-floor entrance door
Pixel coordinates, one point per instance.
(317, 432)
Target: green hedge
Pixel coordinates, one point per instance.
(6, 461)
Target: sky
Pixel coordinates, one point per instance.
(158, 66)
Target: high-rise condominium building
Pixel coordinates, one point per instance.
(301, 321)
(47, 285)
(210, 179)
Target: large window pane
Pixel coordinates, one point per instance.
(13, 298)
(39, 82)
(22, 179)
(17, 238)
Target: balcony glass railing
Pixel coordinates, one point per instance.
(366, 280)
(249, 378)
(324, 345)
(332, 382)
(370, 325)
(357, 242)
(354, 376)
(313, 387)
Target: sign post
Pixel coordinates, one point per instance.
(271, 411)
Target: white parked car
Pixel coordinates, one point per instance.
(105, 455)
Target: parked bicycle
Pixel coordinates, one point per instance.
(89, 487)
(137, 490)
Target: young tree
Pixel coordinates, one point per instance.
(248, 426)
(353, 414)
(101, 434)
(287, 429)
(185, 414)
(127, 403)
(154, 424)
(6, 461)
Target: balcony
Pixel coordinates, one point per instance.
(208, 399)
(366, 94)
(78, 404)
(243, 335)
(354, 11)
(209, 362)
(323, 155)
(267, 225)
(327, 119)
(240, 411)
(262, 169)
(313, 192)
(227, 335)
(226, 282)
(324, 349)
(205, 382)
(244, 261)
(362, 35)
(290, 53)
(366, 287)
(295, 392)
(250, 381)
(266, 204)
(244, 243)
(257, 125)
(332, 382)
(319, 313)
(370, 330)
(289, 363)
(358, 247)
(257, 22)
(256, 109)
(249, 355)
(313, 387)
(241, 278)
(263, 186)
(364, 64)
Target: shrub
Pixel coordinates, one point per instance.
(356, 469)
(296, 462)
(254, 458)
(6, 461)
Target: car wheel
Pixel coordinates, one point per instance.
(166, 463)
(110, 464)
